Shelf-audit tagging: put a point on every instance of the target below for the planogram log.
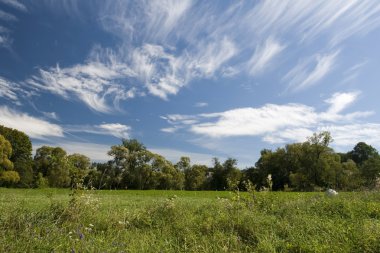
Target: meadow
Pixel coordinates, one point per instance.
(60, 220)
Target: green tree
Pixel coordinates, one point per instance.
(231, 174)
(183, 164)
(217, 180)
(315, 163)
(195, 177)
(139, 168)
(79, 167)
(53, 164)
(370, 171)
(21, 156)
(349, 177)
(362, 152)
(8, 176)
(168, 176)
(225, 176)
(5, 153)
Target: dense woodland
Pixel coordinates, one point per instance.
(308, 166)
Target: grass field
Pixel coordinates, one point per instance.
(57, 220)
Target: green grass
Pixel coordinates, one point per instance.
(50, 220)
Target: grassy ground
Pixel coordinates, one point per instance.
(55, 220)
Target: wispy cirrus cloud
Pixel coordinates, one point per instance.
(15, 4)
(273, 123)
(163, 46)
(112, 129)
(13, 91)
(7, 16)
(32, 126)
(94, 83)
(338, 20)
(5, 33)
(263, 56)
(308, 72)
(8, 89)
(353, 72)
(201, 104)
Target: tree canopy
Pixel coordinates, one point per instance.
(305, 166)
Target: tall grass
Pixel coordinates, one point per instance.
(177, 221)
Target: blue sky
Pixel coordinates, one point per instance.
(198, 78)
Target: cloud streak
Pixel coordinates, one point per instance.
(311, 71)
(32, 126)
(263, 56)
(112, 129)
(273, 123)
(94, 83)
(15, 4)
(166, 45)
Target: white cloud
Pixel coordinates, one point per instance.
(288, 134)
(7, 16)
(338, 19)
(5, 39)
(256, 121)
(112, 129)
(34, 127)
(201, 104)
(351, 134)
(212, 56)
(263, 56)
(169, 129)
(165, 45)
(94, 83)
(340, 101)
(311, 71)
(51, 115)
(8, 89)
(273, 123)
(353, 72)
(116, 129)
(15, 4)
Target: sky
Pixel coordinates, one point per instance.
(190, 78)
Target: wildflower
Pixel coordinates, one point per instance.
(80, 234)
(91, 225)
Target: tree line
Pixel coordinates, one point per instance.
(307, 166)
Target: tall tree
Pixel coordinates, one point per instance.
(195, 177)
(5, 154)
(362, 152)
(231, 174)
(141, 169)
(21, 156)
(370, 171)
(53, 164)
(8, 176)
(79, 167)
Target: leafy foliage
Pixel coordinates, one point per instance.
(21, 156)
(309, 166)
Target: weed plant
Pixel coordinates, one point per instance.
(83, 220)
